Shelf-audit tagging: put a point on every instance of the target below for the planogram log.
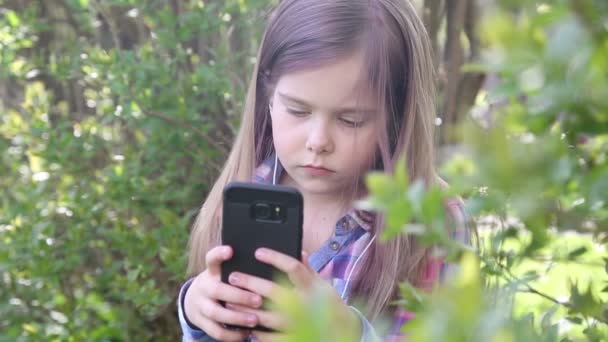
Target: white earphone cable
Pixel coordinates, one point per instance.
(274, 173)
(352, 269)
(350, 273)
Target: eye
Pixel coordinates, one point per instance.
(296, 112)
(351, 123)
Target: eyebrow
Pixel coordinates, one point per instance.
(337, 110)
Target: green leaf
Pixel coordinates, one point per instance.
(13, 19)
(575, 320)
(432, 209)
(397, 215)
(577, 252)
(412, 298)
(415, 194)
(381, 186)
(401, 175)
(133, 274)
(584, 302)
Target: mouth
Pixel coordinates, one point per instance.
(317, 168)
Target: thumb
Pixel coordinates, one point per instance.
(215, 257)
(305, 259)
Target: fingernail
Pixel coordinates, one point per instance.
(233, 278)
(256, 301)
(252, 320)
(260, 253)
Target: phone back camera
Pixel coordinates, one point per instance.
(261, 211)
(267, 212)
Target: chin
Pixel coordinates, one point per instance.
(319, 187)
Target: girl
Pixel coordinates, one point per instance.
(341, 87)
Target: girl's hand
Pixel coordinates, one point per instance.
(301, 275)
(201, 302)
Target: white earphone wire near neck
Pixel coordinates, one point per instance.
(351, 272)
(352, 269)
(274, 173)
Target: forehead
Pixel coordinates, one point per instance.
(338, 84)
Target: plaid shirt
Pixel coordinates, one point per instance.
(337, 256)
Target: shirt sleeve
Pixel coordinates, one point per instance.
(190, 333)
(437, 270)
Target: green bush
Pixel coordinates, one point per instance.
(535, 174)
(536, 178)
(115, 118)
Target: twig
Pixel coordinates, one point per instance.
(111, 24)
(186, 126)
(530, 289)
(508, 275)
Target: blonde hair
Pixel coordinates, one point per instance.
(307, 33)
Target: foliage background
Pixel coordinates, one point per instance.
(115, 118)
(116, 115)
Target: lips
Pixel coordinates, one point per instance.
(318, 167)
(316, 171)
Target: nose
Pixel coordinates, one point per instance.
(319, 137)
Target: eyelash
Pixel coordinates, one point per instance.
(348, 123)
(296, 112)
(353, 124)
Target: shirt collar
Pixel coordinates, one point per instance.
(352, 219)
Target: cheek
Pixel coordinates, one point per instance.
(280, 122)
(284, 131)
(360, 147)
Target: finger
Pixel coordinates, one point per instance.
(305, 261)
(215, 257)
(268, 319)
(267, 336)
(237, 307)
(263, 287)
(299, 274)
(231, 294)
(218, 332)
(215, 312)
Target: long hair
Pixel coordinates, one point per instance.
(303, 34)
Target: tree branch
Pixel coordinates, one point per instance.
(110, 22)
(433, 16)
(188, 127)
(509, 276)
(530, 289)
(453, 59)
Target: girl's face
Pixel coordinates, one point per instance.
(324, 129)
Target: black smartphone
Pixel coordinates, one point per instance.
(260, 215)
